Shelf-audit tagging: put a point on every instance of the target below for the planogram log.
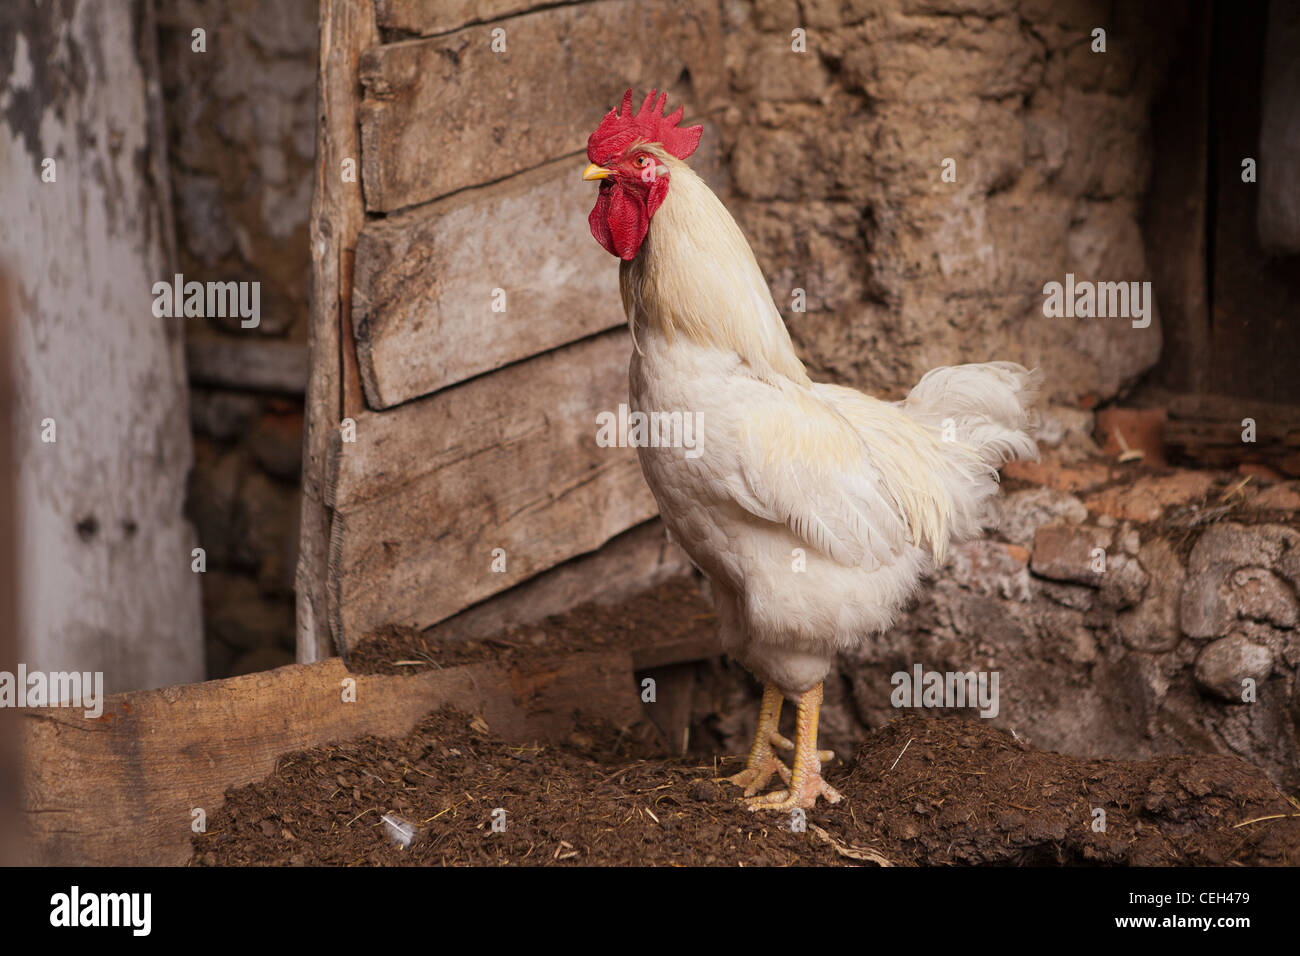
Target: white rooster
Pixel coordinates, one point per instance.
(814, 509)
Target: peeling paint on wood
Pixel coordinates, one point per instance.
(106, 551)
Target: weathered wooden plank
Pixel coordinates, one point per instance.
(427, 19)
(243, 363)
(346, 28)
(1218, 442)
(105, 573)
(509, 461)
(445, 113)
(1278, 216)
(153, 757)
(427, 280)
(428, 552)
(508, 409)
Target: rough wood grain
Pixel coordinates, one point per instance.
(1218, 442)
(425, 281)
(507, 410)
(445, 113)
(505, 461)
(424, 18)
(155, 756)
(427, 552)
(346, 28)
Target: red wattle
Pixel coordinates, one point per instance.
(619, 221)
(599, 222)
(621, 217)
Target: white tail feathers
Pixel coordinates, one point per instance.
(991, 408)
(984, 415)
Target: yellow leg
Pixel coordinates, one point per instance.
(762, 761)
(806, 783)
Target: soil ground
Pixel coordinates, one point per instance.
(924, 790)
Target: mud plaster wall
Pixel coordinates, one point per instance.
(835, 159)
(241, 130)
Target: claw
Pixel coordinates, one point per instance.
(803, 796)
(804, 783)
(755, 777)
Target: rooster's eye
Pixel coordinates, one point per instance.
(642, 161)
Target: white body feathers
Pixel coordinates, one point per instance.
(814, 509)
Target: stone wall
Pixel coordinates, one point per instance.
(1146, 657)
(241, 135)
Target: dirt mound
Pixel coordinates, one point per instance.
(923, 791)
(959, 791)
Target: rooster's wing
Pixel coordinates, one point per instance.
(799, 463)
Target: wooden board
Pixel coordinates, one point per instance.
(430, 489)
(121, 789)
(105, 569)
(1218, 442)
(425, 280)
(427, 18)
(346, 28)
(424, 293)
(509, 409)
(446, 113)
(261, 364)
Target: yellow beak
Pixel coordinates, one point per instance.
(596, 172)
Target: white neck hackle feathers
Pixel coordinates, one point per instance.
(696, 276)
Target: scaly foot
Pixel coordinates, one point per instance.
(805, 783)
(785, 743)
(762, 761)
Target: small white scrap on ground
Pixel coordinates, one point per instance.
(398, 830)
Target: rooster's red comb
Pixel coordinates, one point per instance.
(618, 130)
